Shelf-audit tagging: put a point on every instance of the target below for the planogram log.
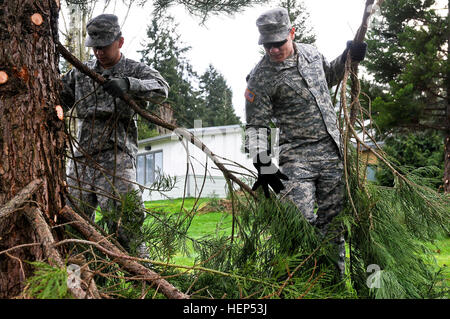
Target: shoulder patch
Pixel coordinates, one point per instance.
(249, 95)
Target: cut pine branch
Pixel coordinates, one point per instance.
(91, 234)
(42, 231)
(359, 38)
(44, 234)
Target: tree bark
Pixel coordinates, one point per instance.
(76, 34)
(32, 139)
(166, 114)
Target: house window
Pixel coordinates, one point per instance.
(149, 166)
(371, 172)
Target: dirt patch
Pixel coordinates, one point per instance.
(216, 205)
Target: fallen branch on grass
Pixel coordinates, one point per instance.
(125, 261)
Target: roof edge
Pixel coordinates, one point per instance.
(203, 131)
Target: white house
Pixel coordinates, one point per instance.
(185, 161)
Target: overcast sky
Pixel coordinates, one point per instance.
(230, 43)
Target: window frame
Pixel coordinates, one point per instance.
(144, 155)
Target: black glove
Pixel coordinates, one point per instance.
(357, 50)
(268, 174)
(117, 87)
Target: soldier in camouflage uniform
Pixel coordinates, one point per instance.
(106, 145)
(289, 89)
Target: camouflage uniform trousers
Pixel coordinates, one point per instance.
(95, 182)
(318, 182)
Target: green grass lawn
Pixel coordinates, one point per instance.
(208, 223)
(443, 252)
(441, 249)
(202, 225)
(175, 205)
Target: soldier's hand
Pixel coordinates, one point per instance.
(117, 87)
(357, 50)
(268, 175)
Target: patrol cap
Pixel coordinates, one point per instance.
(102, 30)
(273, 25)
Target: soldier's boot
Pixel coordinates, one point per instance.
(142, 252)
(341, 259)
(338, 250)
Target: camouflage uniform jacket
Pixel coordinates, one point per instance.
(104, 121)
(294, 96)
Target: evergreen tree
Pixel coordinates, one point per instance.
(217, 96)
(299, 17)
(165, 52)
(408, 57)
(420, 152)
(205, 9)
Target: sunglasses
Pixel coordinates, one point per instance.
(277, 45)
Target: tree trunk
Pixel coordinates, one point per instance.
(76, 35)
(32, 139)
(166, 114)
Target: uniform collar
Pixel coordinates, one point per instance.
(118, 66)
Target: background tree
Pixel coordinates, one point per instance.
(217, 100)
(207, 98)
(299, 17)
(421, 152)
(408, 58)
(165, 52)
(204, 9)
(78, 13)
